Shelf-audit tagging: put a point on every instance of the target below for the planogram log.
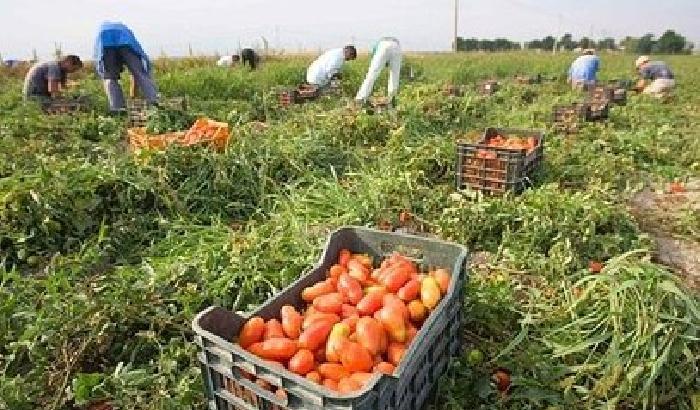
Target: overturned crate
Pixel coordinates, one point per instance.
(230, 372)
(495, 170)
(204, 132)
(137, 109)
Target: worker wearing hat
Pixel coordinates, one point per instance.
(385, 53)
(656, 77)
(584, 69)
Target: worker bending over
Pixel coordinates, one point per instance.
(328, 65)
(656, 77)
(47, 80)
(583, 71)
(386, 52)
(116, 47)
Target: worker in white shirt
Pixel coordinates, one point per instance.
(228, 61)
(328, 65)
(385, 53)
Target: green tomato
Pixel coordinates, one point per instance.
(475, 357)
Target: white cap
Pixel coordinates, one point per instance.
(641, 60)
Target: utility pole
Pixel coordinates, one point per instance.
(454, 40)
(556, 40)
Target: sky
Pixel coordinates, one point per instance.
(221, 26)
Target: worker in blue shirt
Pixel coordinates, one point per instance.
(584, 69)
(116, 47)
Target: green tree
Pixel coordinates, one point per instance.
(566, 42)
(586, 42)
(670, 43)
(646, 44)
(548, 43)
(607, 43)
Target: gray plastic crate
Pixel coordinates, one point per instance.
(508, 170)
(427, 358)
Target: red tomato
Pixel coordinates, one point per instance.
(252, 332)
(302, 362)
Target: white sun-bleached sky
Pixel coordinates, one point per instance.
(220, 26)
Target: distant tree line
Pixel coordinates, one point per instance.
(473, 44)
(669, 43)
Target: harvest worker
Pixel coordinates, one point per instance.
(583, 70)
(249, 56)
(46, 80)
(115, 47)
(658, 73)
(328, 65)
(228, 61)
(386, 52)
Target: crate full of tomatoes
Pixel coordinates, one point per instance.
(503, 160)
(373, 325)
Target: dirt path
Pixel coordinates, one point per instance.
(662, 214)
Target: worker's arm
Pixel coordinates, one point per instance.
(54, 87)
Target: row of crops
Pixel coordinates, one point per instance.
(107, 256)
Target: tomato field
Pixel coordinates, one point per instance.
(107, 255)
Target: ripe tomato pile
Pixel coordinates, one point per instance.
(357, 322)
(500, 141)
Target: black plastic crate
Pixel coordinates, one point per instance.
(609, 94)
(568, 118)
(625, 83)
(597, 110)
(225, 364)
(496, 170)
(65, 105)
(137, 109)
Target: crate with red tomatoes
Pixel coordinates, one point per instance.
(372, 326)
(503, 160)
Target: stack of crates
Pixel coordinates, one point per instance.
(497, 170)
